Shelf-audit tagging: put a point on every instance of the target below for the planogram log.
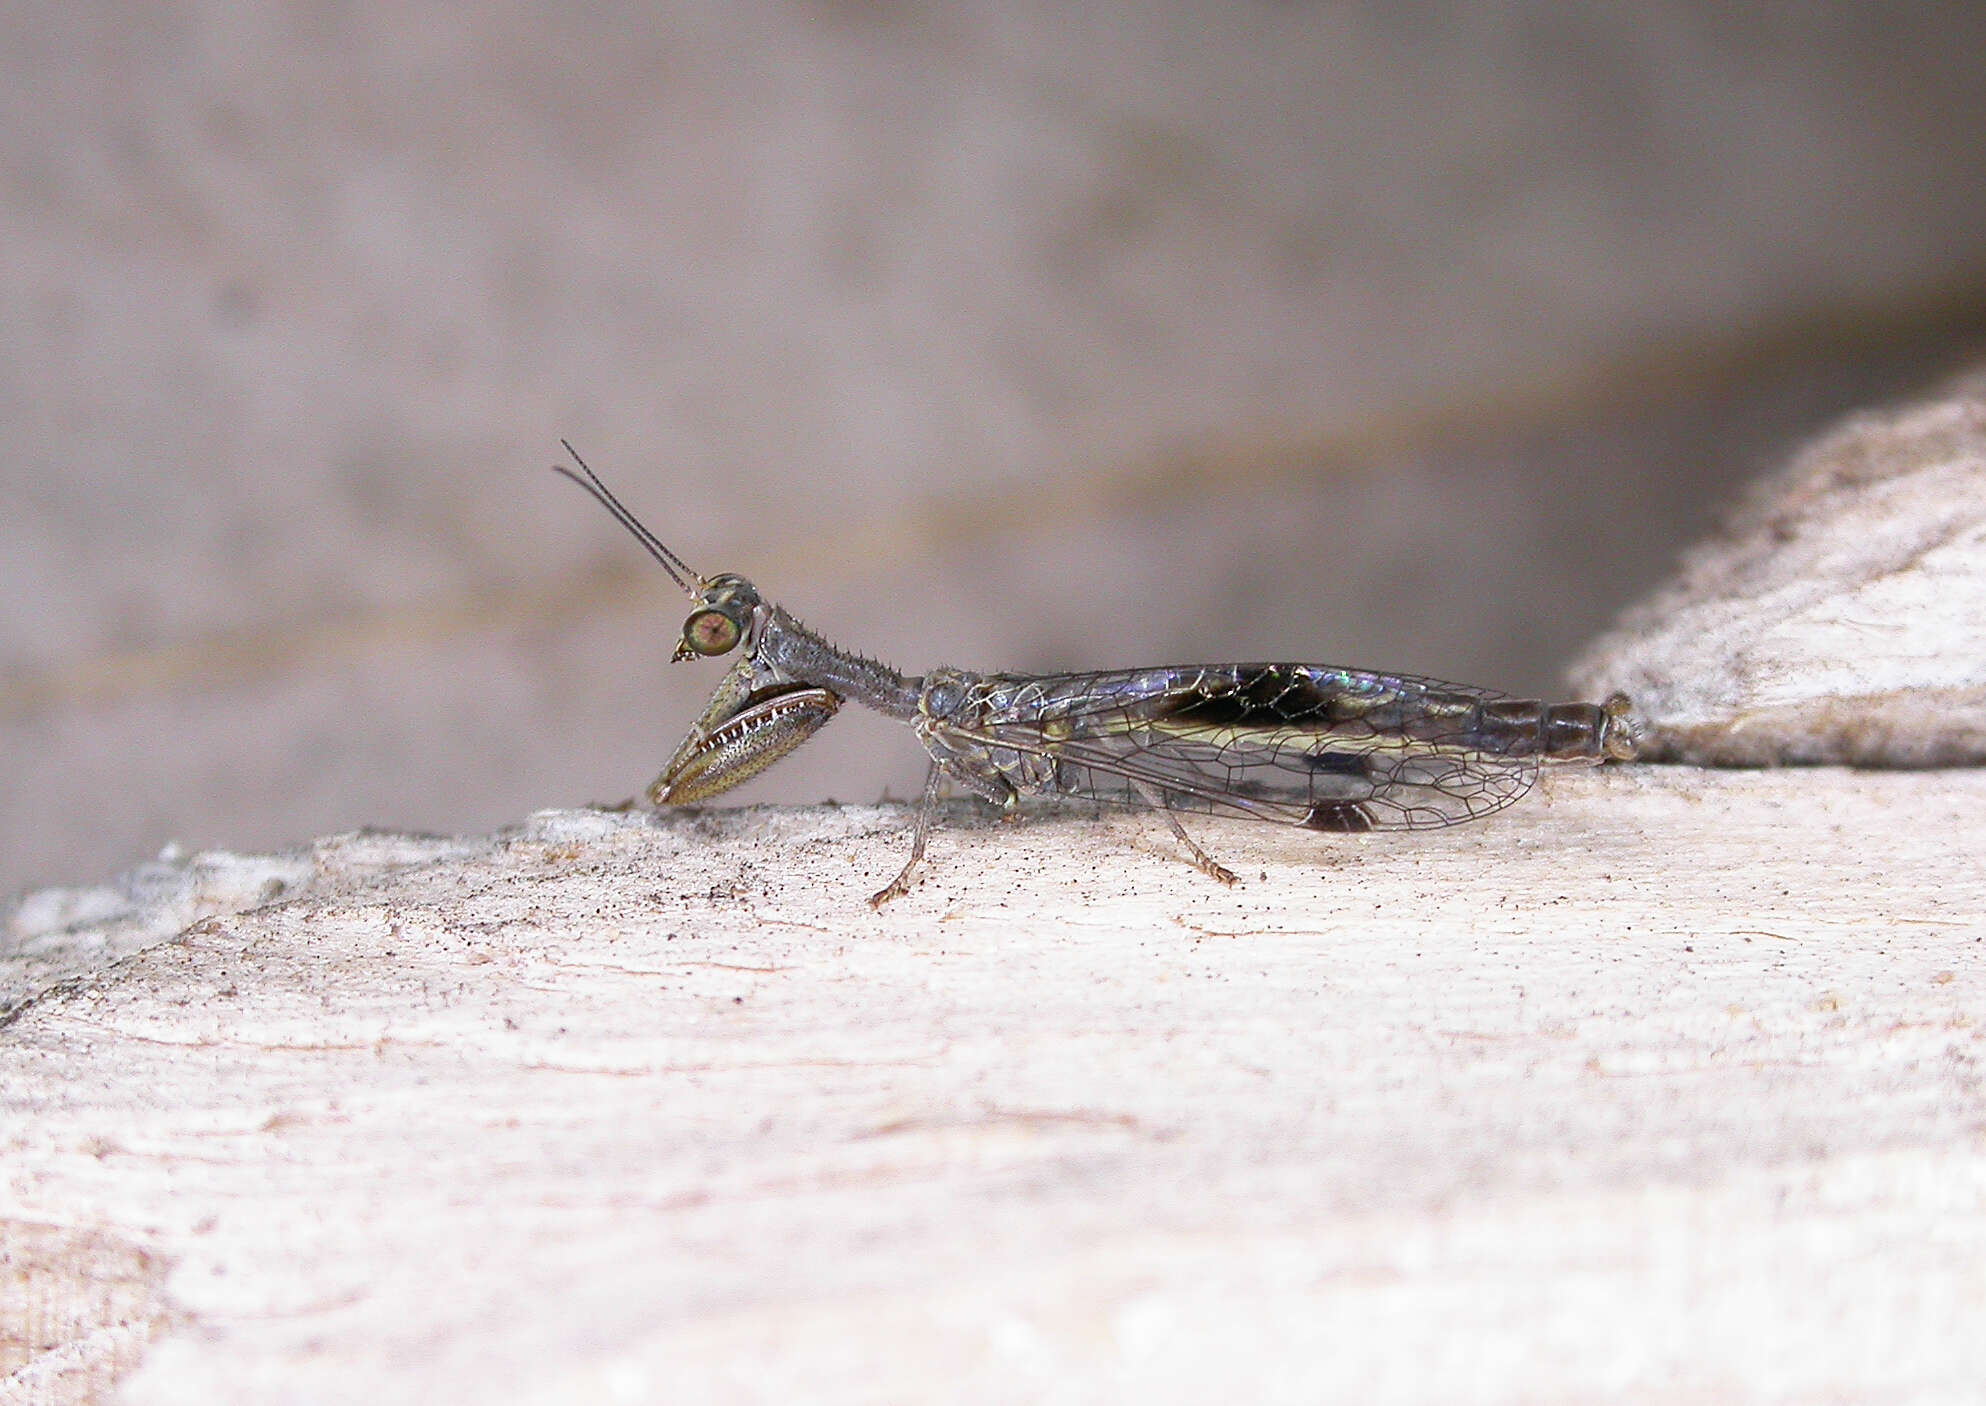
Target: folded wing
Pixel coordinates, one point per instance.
(1326, 748)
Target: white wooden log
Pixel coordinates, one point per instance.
(1665, 1085)
(1840, 614)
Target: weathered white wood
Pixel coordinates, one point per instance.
(1664, 1085)
(1839, 616)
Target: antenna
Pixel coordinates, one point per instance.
(671, 563)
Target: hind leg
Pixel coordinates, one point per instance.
(1199, 858)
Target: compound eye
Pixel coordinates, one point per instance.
(711, 632)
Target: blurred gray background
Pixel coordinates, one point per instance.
(1006, 335)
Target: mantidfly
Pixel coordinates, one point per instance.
(1301, 744)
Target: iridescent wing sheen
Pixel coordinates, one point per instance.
(1309, 745)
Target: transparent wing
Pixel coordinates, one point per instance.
(1330, 749)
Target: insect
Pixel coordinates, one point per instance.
(1309, 745)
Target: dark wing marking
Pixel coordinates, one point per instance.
(1328, 749)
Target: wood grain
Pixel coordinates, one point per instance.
(1663, 1086)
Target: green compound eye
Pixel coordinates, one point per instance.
(711, 632)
